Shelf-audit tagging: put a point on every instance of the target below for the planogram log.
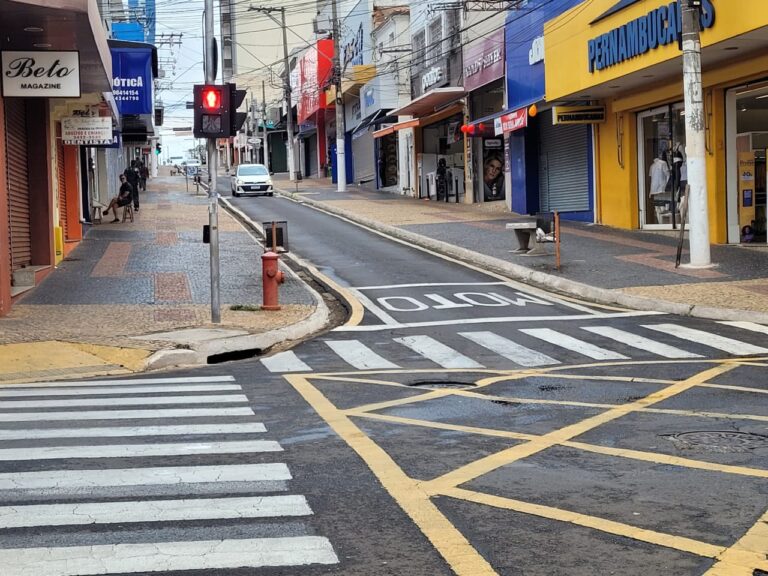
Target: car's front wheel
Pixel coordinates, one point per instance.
(235, 194)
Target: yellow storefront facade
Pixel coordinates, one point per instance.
(624, 55)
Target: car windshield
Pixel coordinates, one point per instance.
(252, 171)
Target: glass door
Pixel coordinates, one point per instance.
(662, 172)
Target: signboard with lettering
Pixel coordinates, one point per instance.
(578, 114)
(511, 122)
(32, 74)
(86, 130)
(484, 61)
(356, 37)
(132, 80)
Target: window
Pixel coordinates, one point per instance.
(419, 45)
(452, 28)
(435, 49)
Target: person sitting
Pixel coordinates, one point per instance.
(123, 198)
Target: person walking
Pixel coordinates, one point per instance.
(132, 176)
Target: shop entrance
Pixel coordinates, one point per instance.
(662, 172)
(747, 136)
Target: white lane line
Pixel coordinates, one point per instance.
(159, 476)
(122, 414)
(126, 382)
(437, 352)
(640, 342)
(509, 349)
(285, 362)
(375, 309)
(496, 320)
(430, 285)
(78, 513)
(357, 354)
(735, 347)
(124, 431)
(141, 401)
(139, 450)
(751, 326)
(573, 344)
(9, 391)
(167, 556)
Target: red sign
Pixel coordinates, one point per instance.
(512, 121)
(314, 70)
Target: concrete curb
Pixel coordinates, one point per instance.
(536, 278)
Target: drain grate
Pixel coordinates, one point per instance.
(718, 440)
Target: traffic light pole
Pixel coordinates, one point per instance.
(213, 201)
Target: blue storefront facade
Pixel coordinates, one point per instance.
(550, 165)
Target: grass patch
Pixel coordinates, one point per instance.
(245, 308)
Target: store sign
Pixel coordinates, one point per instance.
(578, 114)
(431, 77)
(484, 61)
(511, 122)
(379, 93)
(41, 74)
(659, 27)
(353, 49)
(87, 130)
(132, 80)
(536, 53)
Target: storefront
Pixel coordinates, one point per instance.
(550, 161)
(628, 62)
(377, 98)
(314, 69)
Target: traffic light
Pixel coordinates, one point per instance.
(212, 110)
(158, 148)
(237, 119)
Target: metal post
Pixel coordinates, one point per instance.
(264, 143)
(695, 138)
(286, 63)
(213, 202)
(341, 166)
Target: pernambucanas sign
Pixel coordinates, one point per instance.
(86, 130)
(578, 114)
(40, 74)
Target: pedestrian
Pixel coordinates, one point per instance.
(144, 176)
(132, 176)
(123, 198)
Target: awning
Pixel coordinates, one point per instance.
(427, 103)
(368, 120)
(398, 126)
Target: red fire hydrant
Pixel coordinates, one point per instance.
(271, 278)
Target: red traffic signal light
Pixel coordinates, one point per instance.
(211, 98)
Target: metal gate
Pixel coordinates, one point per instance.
(18, 183)
(563, 166)
(62, 185)
(362, 156)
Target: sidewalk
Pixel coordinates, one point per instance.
(630, 268)
(134, 296)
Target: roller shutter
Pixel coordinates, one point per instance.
(312, 155)
(563, 166)
(62, 186)
(18, 183)
(362, 156)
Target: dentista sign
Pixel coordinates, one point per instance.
(659, 27)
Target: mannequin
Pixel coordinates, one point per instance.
(659, 174)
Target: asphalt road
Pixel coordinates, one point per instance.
(458, 423)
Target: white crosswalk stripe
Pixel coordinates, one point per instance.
(164, 475)
(735, 347)
(139, 401)
(127, 431)
(508, 349)
(10, 391)
(573, 344)
(75, 513)
(123, 414)
(166, 556)
(751, 326)
(285, 362)
(128, 382)
(640, 342)
(437, 352)
(357, 354)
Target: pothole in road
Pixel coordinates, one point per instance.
(440, 384)
(718, 441)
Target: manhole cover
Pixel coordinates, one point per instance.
(437, 384)
(718, 441)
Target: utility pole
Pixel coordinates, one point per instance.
(341, 166)
(695, 137)
(254, 132)
(213, 201)
(265, 143)
(287, 84)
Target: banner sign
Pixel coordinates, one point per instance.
(484, 61)
(511, 122)
(132, 80)
(578, 114)
(41, 74)
(86, 130)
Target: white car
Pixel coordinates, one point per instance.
(191, 167)
(252, 179)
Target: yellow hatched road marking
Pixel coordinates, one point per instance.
(608, 526)
(492, 462)
(447, 540)
(748, 555)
